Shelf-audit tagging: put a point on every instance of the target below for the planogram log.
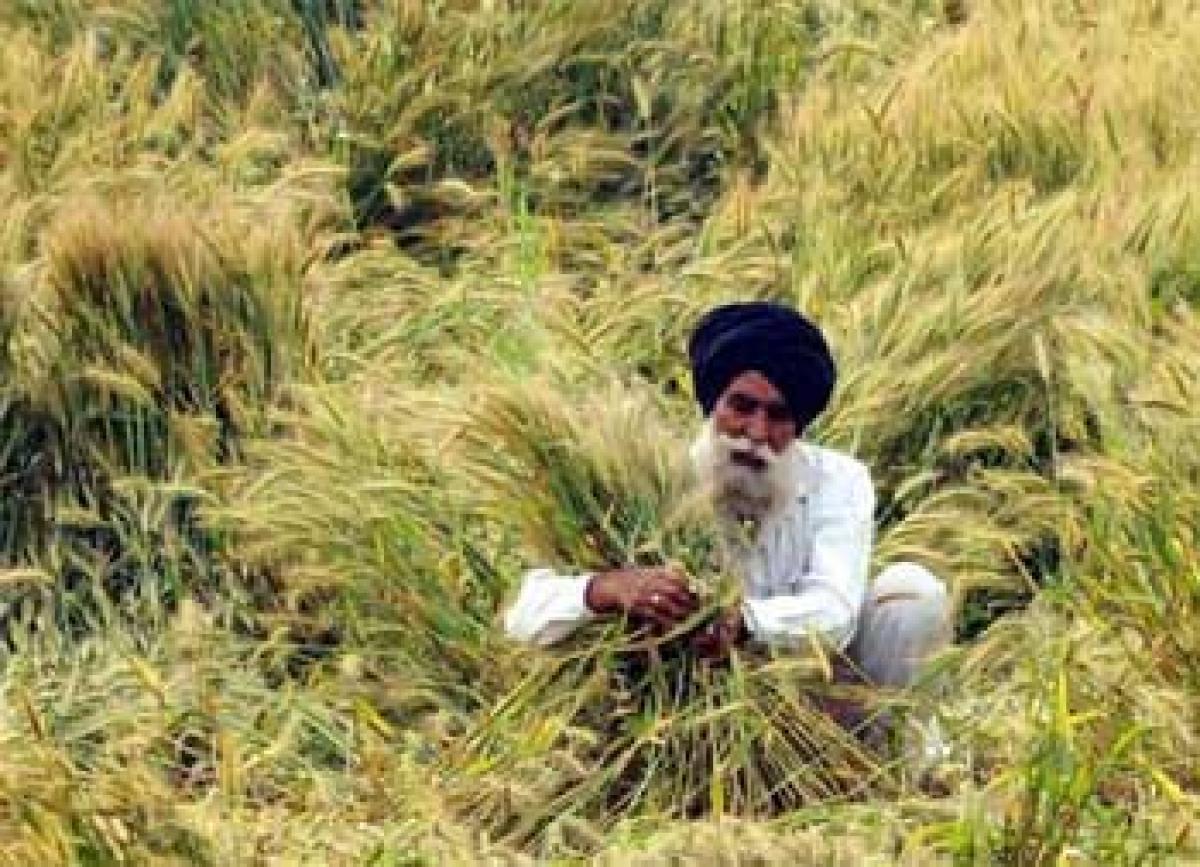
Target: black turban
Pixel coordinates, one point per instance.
(772, 339)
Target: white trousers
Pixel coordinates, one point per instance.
(906, 617)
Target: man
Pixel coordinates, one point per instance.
(795, 517)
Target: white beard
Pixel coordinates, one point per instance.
(744, 495)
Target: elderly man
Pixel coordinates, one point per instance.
(762, 373)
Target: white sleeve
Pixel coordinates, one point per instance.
(548, 608)
(830, 594)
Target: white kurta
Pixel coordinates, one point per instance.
(807, 575)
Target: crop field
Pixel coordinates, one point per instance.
(321, 321)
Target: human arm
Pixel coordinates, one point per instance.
(824, 599)
(549, 607)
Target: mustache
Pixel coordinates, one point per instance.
(742, 451)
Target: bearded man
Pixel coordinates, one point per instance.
(762, 373)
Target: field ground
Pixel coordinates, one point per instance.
(322, 319)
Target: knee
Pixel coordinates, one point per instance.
(910, 580)
(905, 620)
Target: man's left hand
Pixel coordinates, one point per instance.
(717, 640)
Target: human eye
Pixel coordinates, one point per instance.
(741, 404)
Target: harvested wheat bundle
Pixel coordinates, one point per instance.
(622, 720)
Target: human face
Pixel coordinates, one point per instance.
(754, 409)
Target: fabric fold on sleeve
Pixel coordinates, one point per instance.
(791, 621)
(548, 608)
(829, 594)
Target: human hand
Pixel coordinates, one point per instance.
(717, 640)
(658, 594)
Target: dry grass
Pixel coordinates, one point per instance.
(321, 321)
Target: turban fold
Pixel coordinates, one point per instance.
(770, 338)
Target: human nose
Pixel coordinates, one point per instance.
(756, 427)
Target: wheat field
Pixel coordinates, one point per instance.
(322, 320)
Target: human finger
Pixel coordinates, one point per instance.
(671, 574)
(682, 595)
(663, 607)
(667, 609)
(702, 644)
(667, 587)
(709, 645)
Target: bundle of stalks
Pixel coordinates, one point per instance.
(172, 307)
(620, 720)
(150, 341)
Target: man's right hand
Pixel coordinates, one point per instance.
(657, 594)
